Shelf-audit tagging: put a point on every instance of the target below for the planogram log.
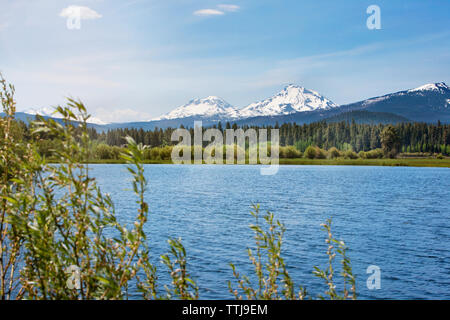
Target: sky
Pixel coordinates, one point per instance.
(133, 60)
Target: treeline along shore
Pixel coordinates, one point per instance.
(336, 143)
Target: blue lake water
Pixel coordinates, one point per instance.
(393, 217)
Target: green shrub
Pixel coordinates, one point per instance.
(375, 154)
(148, 154)
(103, 151)
(310, 152)
(236, 149)
(350, 154)
(334, 153)
(166, 152)
(320, 153)
(116, 152)
(290, 152)
(155, 154)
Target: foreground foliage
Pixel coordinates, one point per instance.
(271, 279)
(59, 232)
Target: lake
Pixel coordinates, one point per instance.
(397, 218)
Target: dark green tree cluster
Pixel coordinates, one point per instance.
(412, 137)
(155, 138)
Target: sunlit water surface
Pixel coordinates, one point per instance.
(392, 217)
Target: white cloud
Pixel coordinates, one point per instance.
(208, 12)
(229, 7)
(81, 12)
(221, 10)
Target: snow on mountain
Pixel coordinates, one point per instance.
(440, 87)
(427, 103)
(375, 100)
(290, 100)
(49, 112)
(430, 88)
(209, 107)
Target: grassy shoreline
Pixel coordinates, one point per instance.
(400, 162)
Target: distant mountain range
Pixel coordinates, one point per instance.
(292, 99)
(428, 103)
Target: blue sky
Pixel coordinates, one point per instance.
(138, 59)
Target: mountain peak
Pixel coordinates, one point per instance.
(210, 99)
(211, 106)
(296, 89)
(427, 103)
(214, 98)
(438, 86)
(293, 86)
(293, 98)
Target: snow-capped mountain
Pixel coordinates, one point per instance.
(427, 103)
(435, 89)
(49, 112)
(439, 87)
(209, 107)
(290, 100)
